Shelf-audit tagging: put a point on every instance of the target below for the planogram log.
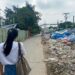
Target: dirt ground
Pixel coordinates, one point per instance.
(34, 54)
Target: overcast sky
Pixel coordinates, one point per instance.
(51, 10)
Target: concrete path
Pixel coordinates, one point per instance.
(35, 55)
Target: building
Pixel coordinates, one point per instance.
(9, 26)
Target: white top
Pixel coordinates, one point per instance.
(12, 58)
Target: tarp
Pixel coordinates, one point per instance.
(60, 34)
(57, 36)
(71, 38)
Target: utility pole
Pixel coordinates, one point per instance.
(73, 19)
(0, 12)
(0, 17)
(57, 24)
(66, 16)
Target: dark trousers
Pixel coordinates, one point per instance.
(10, 70)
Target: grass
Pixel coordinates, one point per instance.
(21, 36)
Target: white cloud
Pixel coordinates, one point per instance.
(50, 4)
(3, 3)
(51, 10)
(54, 10)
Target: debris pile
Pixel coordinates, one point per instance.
(59, 57)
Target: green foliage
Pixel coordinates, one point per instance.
(26, 17)
(65, 25)
(36, 30)
(9, 16)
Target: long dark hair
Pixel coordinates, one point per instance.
(11, 36)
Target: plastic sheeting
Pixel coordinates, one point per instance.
(60, 35)
(71, 38)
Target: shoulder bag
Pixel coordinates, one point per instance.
(22, 66)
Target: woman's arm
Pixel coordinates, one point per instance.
(23, 50)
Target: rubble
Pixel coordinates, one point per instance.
(59, 57)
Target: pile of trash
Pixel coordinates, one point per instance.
(68, 35)
(59, 58)
(60, 34)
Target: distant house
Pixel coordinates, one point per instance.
(2, 21)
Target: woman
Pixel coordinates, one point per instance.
(9, 52)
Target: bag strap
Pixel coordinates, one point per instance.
(19, 51)
(26, 62)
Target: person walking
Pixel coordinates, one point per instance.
(9, 52)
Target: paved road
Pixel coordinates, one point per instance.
(35, 55)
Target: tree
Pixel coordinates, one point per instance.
(65, 25)
(26, 18)
(9, 16)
